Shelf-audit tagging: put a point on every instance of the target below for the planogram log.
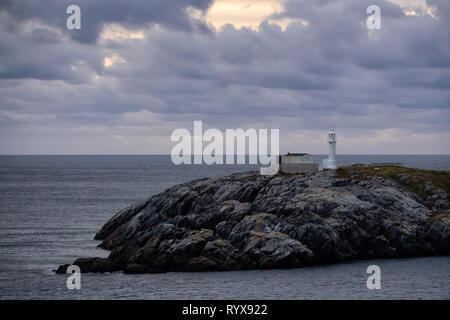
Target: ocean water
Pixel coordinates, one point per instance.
(52, 206)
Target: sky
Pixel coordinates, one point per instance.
(137, 70)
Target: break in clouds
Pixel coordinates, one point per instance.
(138, 70)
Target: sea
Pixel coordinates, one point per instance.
(52, 206)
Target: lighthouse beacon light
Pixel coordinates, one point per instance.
(330, 163)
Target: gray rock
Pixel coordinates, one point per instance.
(135, 268)
(100, 265)
(248, 221)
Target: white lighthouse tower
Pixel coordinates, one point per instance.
(330, 163)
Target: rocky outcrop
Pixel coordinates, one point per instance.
(249, 221)
(92, 265)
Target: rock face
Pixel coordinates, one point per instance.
(92, 265)
(249, 221)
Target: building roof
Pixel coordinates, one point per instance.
(297, 154)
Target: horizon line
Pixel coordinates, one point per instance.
(168, 154)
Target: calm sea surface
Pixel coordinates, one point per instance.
(52, 206)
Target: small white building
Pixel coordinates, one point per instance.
(293, 163)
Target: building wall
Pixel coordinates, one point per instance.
(307, 158)
(293, 168)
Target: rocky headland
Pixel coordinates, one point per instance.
(249, 221)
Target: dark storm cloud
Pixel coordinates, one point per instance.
(332, 64)
(96, 13)
(44, 53)
(328, 69)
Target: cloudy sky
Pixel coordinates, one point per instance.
(139, 69)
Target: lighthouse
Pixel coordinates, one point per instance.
(330, 163)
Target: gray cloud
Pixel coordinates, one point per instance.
(330, 72)
(96, 13)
